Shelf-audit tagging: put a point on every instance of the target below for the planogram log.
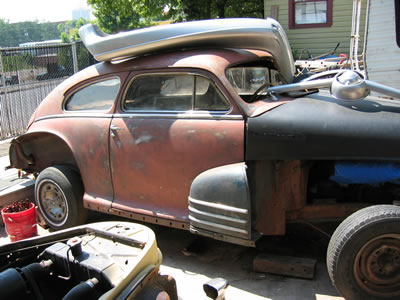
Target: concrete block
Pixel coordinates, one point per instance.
(285, 265)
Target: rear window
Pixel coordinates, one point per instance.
(96, 96)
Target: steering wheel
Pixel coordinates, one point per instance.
(255, 94)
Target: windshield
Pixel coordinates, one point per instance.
(246, 80)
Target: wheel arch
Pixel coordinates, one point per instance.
(35, 151)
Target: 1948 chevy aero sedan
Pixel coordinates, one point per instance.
(200, 126)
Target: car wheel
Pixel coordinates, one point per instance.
(363, 255)
(58, 194)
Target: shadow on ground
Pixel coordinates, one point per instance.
(192, 260)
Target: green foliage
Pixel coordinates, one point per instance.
(17, 61)
(115, 16)
(69, 30)
(11, 35)
(210, 9)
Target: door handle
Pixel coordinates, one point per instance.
(115, 128)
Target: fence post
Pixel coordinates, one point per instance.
(74, 57)
(5, 123)
(2, 79)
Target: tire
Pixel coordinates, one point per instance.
(58, 195)
(363, 257)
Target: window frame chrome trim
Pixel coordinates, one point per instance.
(97, 80)
(129, 84)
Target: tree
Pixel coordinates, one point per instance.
(69, 30)
(11, 35)
(115, 16)
(210, 9)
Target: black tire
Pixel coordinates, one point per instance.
(58, 195)
(363, 257)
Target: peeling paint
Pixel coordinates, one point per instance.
(220, 135)
(119, 144)
(143, 139)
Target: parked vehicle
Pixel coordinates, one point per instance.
(59, 72)
(198, 126)
(109, 260)
(8, 80)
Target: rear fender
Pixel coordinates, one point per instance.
(33, 152)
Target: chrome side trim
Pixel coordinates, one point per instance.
(198, 222)
(216, 216)
(219, 206)
(75, 115)
(174, 115)
(144, 116)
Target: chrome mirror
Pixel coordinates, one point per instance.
(350, 86)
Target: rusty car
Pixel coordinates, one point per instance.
(202, 126)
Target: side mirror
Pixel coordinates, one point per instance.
(346, 85)
(349, 86)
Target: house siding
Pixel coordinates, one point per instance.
(323, 39)
(382, 54)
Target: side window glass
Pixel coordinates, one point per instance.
(208, 97)
(160, 92)
(173, 92)
(97, 96)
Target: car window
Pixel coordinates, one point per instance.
(97, 96)
(246, 80)
(173, 92)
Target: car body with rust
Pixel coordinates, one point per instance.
(210, 133)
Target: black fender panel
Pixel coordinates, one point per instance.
(320, 127)
(219, 202)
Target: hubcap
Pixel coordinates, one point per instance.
(53, 202)
(377, 266)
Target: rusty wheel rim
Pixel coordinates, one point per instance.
(377, 266)
(53, 202)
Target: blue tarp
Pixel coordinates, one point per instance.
(365, 172)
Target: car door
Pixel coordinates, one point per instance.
(169, 128)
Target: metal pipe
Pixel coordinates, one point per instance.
(321, 83)
(383, 89)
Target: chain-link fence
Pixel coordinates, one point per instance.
(28, 74)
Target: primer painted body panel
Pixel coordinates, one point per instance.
(320, 127)
(242, 33)
(220, 202)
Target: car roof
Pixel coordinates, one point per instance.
(213, 60)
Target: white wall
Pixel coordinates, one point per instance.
(382, 55)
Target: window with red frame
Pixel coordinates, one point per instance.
(310, 13)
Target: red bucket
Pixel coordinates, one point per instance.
(20, 225)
